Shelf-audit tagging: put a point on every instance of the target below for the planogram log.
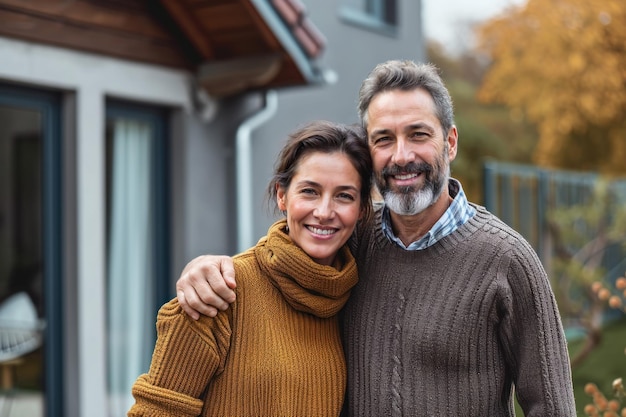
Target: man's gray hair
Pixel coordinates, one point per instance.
(407, 75)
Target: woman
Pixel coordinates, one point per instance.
(282, 356)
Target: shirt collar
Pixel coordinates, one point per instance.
(455, 216)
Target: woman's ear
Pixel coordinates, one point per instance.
(280, 198)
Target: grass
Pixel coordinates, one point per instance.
(606, 363)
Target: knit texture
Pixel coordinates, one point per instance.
(276, 352)
(452, 329)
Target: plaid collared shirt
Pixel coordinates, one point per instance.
(457, 214)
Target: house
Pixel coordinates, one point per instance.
(136, 135)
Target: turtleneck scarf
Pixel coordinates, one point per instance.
(306, 285)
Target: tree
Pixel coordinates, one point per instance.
(486, 131)
(562, 65)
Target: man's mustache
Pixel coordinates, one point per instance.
(410, 168)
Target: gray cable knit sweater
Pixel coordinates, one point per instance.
(454, 329)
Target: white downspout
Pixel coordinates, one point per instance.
(245, 212)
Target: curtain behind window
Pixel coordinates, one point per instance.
(130, 264)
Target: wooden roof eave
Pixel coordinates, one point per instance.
(286, 64)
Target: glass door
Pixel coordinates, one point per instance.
(30, 253)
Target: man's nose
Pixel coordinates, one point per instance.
(403, 153)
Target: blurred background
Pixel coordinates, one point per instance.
(136, 135)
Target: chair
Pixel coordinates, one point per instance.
(20, 333)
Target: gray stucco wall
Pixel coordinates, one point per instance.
(351, 52)
(207, 213)
(204, 197)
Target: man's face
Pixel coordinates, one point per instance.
(411, 157)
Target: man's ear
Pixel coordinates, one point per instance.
(453, 141)
(280, 198)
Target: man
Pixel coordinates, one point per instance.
(453, 312)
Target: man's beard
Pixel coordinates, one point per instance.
(409, 200)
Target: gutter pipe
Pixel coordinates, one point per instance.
(245, 212)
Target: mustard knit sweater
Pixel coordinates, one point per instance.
(276, 352)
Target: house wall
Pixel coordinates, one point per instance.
(352, 52)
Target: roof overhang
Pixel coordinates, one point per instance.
(231, 46)
(282, 51)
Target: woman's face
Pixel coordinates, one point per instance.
(323, 204)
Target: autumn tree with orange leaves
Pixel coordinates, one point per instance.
(561, 64)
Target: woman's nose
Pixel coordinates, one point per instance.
(324, 209)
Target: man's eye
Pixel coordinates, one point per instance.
(382, 139)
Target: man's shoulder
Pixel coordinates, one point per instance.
(486, 219)
(494, 227)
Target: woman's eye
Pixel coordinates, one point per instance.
(346, 196)
(307, 191)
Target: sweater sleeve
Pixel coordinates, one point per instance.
(533, 338)
(187, 355)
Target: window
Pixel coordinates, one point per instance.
(378, 15)
(137, 242)
(30, 253)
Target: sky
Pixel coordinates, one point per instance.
(449, 21)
